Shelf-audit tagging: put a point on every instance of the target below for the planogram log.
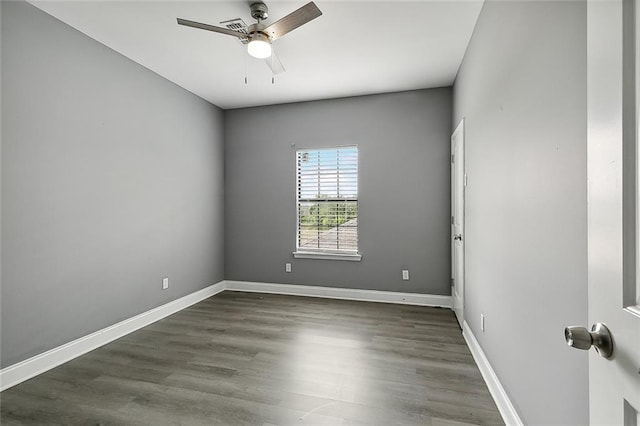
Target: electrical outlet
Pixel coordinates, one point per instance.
(165, 283)
(482, 322)
(405, 275)
(287, 267)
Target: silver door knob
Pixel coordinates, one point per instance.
(457, 237)
(599, 337)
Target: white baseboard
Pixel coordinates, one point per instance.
(506, 408)
(24, 370)
(341, 293)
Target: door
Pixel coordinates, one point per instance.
(457, 220)
(614, 294)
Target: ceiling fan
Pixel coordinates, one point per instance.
(259, 37)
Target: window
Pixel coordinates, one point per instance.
(327, 203)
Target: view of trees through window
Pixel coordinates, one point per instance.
(328, 199)
(329, 225)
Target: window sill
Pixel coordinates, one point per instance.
(326, 256)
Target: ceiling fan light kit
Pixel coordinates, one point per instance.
(259, 37)
(259, 46)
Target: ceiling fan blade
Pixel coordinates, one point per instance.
(292, 21)
(274, 63)
(211, 28)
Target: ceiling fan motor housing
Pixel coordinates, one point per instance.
(254, 32)
(259, 11)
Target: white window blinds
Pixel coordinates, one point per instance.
(327, 200)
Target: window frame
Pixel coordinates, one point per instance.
(326, 254)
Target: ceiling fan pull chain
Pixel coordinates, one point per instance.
(245, 68)
(273, 76)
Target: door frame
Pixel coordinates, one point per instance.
(458, 182)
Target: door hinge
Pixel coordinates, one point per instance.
(452, 158)
(452, 220)
(465, 179)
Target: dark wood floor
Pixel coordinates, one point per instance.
(260, 359)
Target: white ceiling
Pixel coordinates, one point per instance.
(354, 48)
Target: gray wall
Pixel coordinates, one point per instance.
(112, 178)
(522, 90)
(404, 205)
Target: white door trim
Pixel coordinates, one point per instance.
(457, 253)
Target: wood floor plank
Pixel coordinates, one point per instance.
(259, 359)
